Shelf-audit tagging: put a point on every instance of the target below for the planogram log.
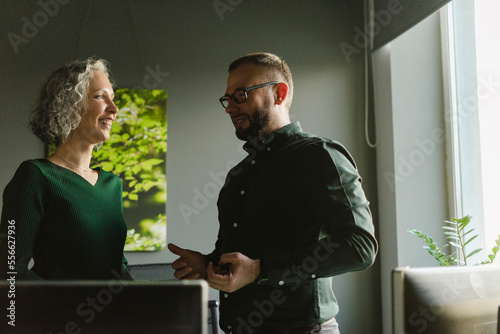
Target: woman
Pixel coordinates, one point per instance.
(58, 211)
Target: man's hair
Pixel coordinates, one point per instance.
(271, 65)
(63, 100)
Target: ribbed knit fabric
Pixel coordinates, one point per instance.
(72, 229)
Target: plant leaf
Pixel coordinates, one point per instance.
(474, 237)
(468, 232)
(452, 235)
(473, 252)
(455, 244)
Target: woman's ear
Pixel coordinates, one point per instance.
(281, 92)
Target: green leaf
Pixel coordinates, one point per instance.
(455, 240)
(468, 232)
(107, 166)
(474, 237)
(114, 138)
(148, 164)
(133, 197)
(463, 222)
(455, 244)
(473, 252)
(433, 249)
(136, 169)
(131, 162)
(119, 169)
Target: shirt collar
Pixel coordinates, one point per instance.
(275, 137)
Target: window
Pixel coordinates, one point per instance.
(488, 81)
(471, 58)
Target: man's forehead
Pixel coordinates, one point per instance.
(244, 76)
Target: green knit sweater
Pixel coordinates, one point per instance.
(73, 230)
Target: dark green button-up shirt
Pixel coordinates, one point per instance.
(296, 203)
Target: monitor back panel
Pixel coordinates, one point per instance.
(104, 307)
(446, 300)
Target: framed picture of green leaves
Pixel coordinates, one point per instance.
(136, 152)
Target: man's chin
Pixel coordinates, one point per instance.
(242, 135)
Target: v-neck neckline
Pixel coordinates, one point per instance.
(98, 170)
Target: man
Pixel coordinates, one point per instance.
(292, 214)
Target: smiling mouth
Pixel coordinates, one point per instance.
(238, 120)
(106, 121)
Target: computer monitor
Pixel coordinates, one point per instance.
(104, 307)
(498, 321)
(446, 300)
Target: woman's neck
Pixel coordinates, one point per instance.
(75, 155)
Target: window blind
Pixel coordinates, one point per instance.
(391, 18)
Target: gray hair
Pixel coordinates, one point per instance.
(63, 100)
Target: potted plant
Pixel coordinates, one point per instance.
(458, 236)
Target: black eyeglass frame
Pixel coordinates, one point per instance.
(224, 99)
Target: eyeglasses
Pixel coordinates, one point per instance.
(240, 95)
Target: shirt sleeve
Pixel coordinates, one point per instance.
(22, 213)
(337, 202)
(214, 257)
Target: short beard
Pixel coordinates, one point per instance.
(258, 121)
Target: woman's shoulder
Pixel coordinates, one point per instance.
(42, 167)
(36, 162)
(32, 165)
(28, 173)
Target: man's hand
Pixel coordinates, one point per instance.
(190, 264)
(234, 271)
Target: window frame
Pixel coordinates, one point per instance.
(463, 149)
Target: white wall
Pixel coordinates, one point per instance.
(194, 44)
(411, 165)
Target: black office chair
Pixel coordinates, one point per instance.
(213, 320)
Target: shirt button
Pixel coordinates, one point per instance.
(226, 295)
(253, 162)
(281, 282)
(313, 276)
(269, 149)
(235, 225)
(229, 327)
(242, 192)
